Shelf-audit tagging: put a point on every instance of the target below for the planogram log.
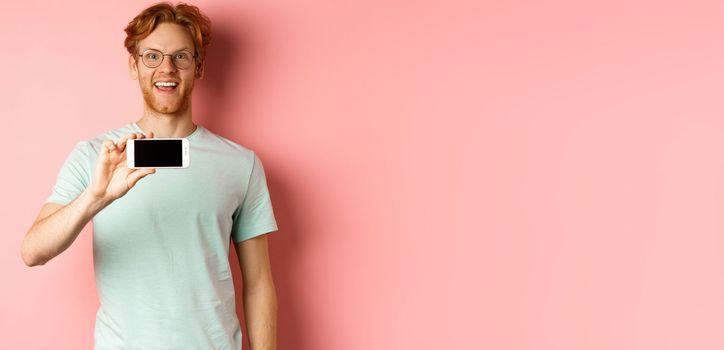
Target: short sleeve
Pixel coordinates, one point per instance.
(255, 215)
(74, 175)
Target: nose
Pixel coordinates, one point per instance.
(167, 65)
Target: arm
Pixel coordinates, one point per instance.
(57, 226)
(260, 300)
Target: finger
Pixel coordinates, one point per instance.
(121, 162)
(137, 175)
(150, 134)
(103, 170)
(107, 147)
(122, 141)
(111, 153)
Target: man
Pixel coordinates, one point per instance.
(161, 244)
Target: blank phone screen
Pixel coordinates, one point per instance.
(158, 153)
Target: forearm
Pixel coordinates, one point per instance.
(260, 311)
(53, 234)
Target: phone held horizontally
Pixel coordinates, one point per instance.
(168, 153)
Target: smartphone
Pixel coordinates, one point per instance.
(157, 153)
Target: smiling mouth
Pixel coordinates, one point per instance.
(165, 86)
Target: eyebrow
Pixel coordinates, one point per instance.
(152, 48)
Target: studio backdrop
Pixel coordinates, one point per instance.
(517, 175)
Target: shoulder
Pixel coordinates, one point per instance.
(94, 144)
(224, 146)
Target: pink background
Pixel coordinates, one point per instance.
(446, 175)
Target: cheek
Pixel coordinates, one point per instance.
(189, 80)
(145, 80)
(144, 75)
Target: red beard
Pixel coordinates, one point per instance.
(181, 103)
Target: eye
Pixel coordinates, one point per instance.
(152, 56)
(181, 56)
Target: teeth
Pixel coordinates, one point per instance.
(166, 83)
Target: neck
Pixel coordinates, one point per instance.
(177, 124)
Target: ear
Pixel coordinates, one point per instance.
(200, 71)
(132, 67)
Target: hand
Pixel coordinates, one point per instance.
(112, 178)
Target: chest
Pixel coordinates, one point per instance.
(205, 193)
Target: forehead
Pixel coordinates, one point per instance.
(167, 37)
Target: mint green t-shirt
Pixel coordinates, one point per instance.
(161, 252)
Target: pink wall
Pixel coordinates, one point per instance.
(446, 175)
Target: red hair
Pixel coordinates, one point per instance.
(189, 16)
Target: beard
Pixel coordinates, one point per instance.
(180, 103)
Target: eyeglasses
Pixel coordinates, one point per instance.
(153, 58)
